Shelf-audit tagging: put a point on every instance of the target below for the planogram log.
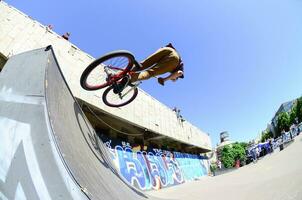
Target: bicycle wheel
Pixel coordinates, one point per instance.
(117, 63)
(115, 100)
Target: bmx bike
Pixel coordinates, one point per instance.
(108, 71)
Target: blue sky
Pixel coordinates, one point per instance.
(242, 58)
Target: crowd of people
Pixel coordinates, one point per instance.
(261, 149)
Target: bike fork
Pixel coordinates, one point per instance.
(107, 73)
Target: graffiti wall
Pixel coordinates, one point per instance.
(154, 168)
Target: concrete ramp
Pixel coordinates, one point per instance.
(48, 149)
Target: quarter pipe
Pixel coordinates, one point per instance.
(48, 149)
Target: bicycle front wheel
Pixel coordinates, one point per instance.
(116, 64)
(117, 100)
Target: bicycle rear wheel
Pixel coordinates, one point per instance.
(116, 63)
(117, 100)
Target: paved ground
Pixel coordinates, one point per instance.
(275, 177)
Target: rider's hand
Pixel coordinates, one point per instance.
(173, 77)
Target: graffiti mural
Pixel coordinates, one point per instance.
(153, 169)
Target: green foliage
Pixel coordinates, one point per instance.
(266, 135)
(244, 144)
(233, 152)
(239, 152)
(293, 114)
(299, 109)
(227, 156)
(283, 121)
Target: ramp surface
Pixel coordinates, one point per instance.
(48, 149)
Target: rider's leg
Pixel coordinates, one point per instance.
(165, 65)
(119, 87)
(157, 56)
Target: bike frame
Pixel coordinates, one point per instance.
(116, 77)
(113, 79)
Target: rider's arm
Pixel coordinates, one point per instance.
(173, 76)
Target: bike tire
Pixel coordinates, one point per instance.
(99, 62)
(116, 105)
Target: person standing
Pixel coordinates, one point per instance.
(219, 164)
(270, 142)
(257, 152)
(66, 36)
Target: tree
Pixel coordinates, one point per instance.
(299, 109)
(227, 156)
(293, 114)
(283, 121)
(233, 152)
(239, 152)
(266, 135)
(244, 144)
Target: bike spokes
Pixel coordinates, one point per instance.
(107, 69)
(96, 76)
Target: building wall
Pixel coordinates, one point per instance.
(148, 168)
(19, 33)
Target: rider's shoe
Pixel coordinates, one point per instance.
(161, 81)
(120, 86)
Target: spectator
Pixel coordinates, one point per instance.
(254, 154)
(270, 142)
(283, 135)
(219, 164)
(212, 169)
(178, 115)
(257, 152)
(177, 111)
(66, 36)
(49, 27)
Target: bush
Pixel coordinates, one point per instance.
(293, 115)
(266, 135)
(227, 156)
(299, 109)
(233, 152)
(283, 121)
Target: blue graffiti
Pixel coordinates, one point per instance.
(156, 168)
(130, 167)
